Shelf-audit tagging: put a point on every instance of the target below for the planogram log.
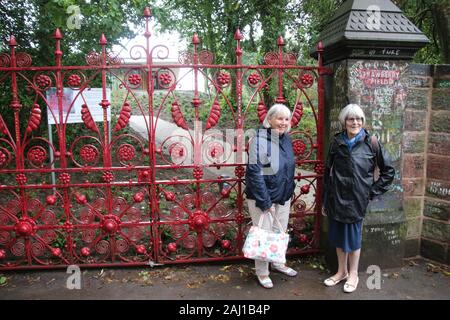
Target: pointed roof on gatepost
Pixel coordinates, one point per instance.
(354, 32)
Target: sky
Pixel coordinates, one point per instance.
(170, 40)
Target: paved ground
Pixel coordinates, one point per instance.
(416, 280)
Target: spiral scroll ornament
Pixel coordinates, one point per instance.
(122, 246)
(205, 57)
(272, 58)
(185, 57)
(103, 247)
(23, 60)
(93, 59)
(5, 60)
(18, 249)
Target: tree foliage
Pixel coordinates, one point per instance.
(432, 17)
(301, 21)
(33, 22)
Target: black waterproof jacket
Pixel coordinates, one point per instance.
(269, 177)
(349, 178)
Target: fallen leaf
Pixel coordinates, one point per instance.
(193, 285)
(225, 268)
(221, 278)
(413, 263)
(394, 275)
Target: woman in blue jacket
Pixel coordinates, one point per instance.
(270, 180)
(349, 185)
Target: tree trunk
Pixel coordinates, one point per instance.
(441, 14)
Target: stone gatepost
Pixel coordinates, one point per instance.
(368, 45)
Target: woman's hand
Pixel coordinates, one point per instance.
(270, 210)
(324, 211)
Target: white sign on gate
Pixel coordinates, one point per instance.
(91, 97)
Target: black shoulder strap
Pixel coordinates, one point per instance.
(374, 144)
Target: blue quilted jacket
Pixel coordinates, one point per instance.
(270, 170)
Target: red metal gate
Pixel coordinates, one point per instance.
(105, 193)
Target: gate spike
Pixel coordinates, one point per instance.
(57, 35)
(12, 41)
(280, 41)
(238, 35)
(320, 46)
(195, 39)
(147, 12)
(103, 40)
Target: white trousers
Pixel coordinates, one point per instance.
(282, 213)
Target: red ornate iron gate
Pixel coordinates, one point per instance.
(104, 195)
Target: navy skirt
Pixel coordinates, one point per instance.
(346, 236)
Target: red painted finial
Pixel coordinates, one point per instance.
(280, 41)
(238, 35)
(195, 39)
(147, 12)
(320, 46)
(57, 35)
(103, 40)
(12, 41)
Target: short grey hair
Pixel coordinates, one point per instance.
(275, 110)
(351, 110)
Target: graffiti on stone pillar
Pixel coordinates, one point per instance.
(379, 88)
(340, 90)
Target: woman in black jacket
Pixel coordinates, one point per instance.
(349, 185)
(269, 180)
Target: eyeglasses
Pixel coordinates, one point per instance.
(353, 119)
